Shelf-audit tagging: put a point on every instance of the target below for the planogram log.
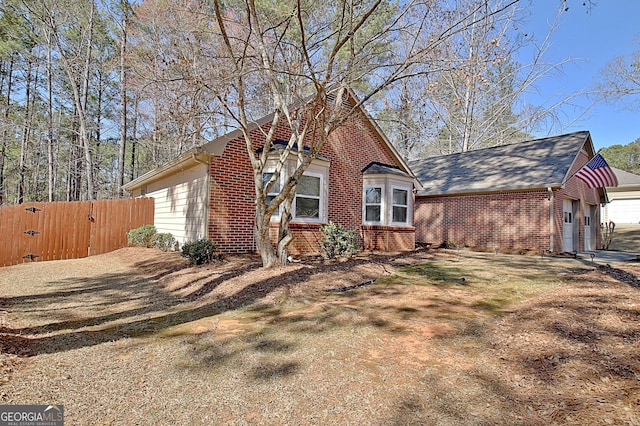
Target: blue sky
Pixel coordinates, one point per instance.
(592, 37)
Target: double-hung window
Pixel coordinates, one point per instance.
(309, 204)
(387, 200)
(400, 206)
(273, 192)
(308, 193)
(373, 204)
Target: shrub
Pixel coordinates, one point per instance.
(148, 236)
(142, 236)
(199, 252)
(450, 245)
(163, 241)
(339, 241)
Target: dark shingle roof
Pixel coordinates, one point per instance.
(534, 164)
(374, 168)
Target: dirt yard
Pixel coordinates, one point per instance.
(432, 337)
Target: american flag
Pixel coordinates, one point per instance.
(597, 173)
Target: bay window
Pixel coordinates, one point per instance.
(387, 198)
(310, 201)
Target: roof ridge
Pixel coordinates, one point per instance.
(527, 142)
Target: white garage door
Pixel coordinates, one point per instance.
(624, 211)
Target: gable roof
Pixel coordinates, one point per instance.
(540, 163)
(217, 146)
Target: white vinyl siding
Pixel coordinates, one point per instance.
(181, 203)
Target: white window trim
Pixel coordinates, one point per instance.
(278, 211)
(407, 206)
(388, 183)
(322, 197)
(382, 204)
(320, 170)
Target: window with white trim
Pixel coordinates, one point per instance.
(308, 197)
(400, 206)
(273, 192)
(373, 204)
(387, 200)
(310, 201)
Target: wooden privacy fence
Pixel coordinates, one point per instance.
(54, 231)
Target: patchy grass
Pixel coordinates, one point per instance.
(626, 238)
(443, 338)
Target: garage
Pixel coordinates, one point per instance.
(624, 200)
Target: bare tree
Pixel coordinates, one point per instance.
(307, 55)
(621, 81)
(300, 61)
(75, 55)
(477, 100)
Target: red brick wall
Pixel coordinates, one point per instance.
(504, 220)
(518, 220)
(231, 215)
(387, 238)
(576, 189)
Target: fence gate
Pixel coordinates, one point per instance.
(68, 230)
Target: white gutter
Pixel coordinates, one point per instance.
(180, 163)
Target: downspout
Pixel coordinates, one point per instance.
(551, 217)
(206, 212)
(197, 160)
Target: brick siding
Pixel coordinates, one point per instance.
(349, 149)
(503, 220)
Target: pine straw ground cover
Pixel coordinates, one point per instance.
(441, 337)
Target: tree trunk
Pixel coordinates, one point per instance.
(134, 136)
(97, 155)
(123, 106)
(3, 142)
(26, 131)
(50, 157)
(263, 242)
(284, 236)
(84, 131)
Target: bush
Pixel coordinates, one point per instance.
(164, 241)
(199, 252)
(339, 241)
(147, 236)
(142, 236)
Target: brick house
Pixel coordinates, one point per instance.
(519, 196)
(358, 181)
